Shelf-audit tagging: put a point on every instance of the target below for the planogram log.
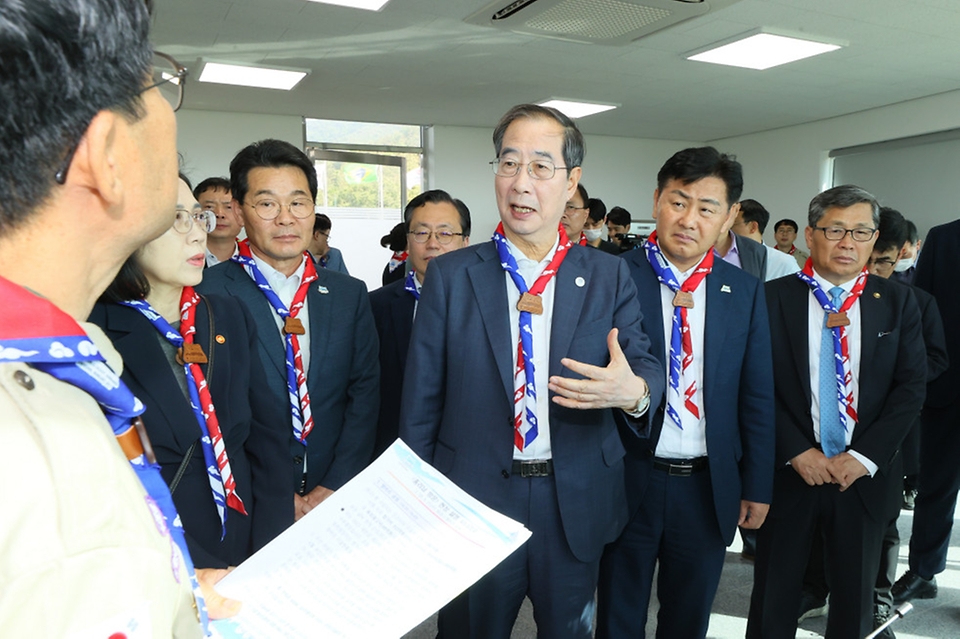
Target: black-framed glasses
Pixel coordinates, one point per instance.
(443, 237)
(167, 75)
(570, 208)
(185, 220)
(837, 233)
(882, 262)
(541, 169)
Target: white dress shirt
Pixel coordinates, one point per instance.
(530, 270)
(213, 260)
(815, 319)
(779, 264)
(690, 442)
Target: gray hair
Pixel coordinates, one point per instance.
(573, 146)
(843, 196)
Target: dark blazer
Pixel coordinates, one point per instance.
(753, 257)
(935, 275)
(892, 380)
(393, 314)
(934, 339)
(737, 389)
(461, 419)
(343, 375)
(257, 451)
(607, 247)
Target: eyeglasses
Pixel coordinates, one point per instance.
(186, 219)
(268, 210)
(570, 208)
(443, 237)
(836, 233)
(168, 76)
(538, 169)
(883, 262)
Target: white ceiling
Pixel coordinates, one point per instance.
(418, 62)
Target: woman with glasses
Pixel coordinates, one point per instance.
(193, 362)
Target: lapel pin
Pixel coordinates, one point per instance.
(724, 289)
(322, 289)
(220, 339)
(580, 282)
(876, 295)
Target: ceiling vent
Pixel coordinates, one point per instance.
(611, 22)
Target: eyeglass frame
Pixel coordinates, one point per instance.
(873, 232)
(495, 165)
(885, 262)
(61, 175)
(194, 218)
(280, 207)
(434, 233)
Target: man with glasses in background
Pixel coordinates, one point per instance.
(846, 391)
(89, 544)
(436, 224)
(525, 351)
(317, 339)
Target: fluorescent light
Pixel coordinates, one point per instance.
(369, 5)
(574, 109)
(258, 77)
(763, 51)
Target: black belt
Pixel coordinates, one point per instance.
(680, 467)
(533, 468)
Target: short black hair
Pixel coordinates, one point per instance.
(573, 146)
(912, 234)
(893, 230)
(788, 222)
(619, 216)
(212, 183)
(396, 239)
(273, 154)
(437, 196)
(753, 211)
(321, 222)
(696, 163)
(598, 210)
(582, 190)
(61, 63)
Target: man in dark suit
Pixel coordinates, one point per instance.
(939, 427)
(436, 224)
(707, 463)
(531, 431)
(747, 254)
(317, 339)
(846, 388)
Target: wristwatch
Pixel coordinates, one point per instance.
(642, 405)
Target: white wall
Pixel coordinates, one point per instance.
(785, 168)
(619, 171)
(208, 140)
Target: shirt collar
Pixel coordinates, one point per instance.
(274, 276)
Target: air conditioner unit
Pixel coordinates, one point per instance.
(610, 22)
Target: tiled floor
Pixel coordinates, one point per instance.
(931, 619)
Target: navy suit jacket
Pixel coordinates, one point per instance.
(257, 451)
(461, 355)
(737, 389)
(342, 379)
(892, 381)
(393, 313)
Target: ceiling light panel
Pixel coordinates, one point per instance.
(763, 51)
(368, 5)
(575, 109)
(258, 77)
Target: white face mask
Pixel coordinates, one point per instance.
(904, 264)
(592, 234)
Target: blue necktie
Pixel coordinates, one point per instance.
(833, 439)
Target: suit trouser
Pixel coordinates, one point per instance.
(560, 586)
(675, 527)
(851, 545)
(939, 484)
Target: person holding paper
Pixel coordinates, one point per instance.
(525, 351)
(192, 359)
